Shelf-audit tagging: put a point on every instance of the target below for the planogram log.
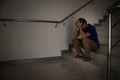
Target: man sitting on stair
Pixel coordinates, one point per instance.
(84, 36)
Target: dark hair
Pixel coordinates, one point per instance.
(82, 20)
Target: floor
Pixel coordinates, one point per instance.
(68, 68)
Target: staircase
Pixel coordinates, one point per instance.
(96, 69)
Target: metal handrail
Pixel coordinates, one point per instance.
(28, 20)
(115, 6)
(76, 10)
(110, 11)
(109, 54)
(115, 44)
(46, 21)
(116, 24)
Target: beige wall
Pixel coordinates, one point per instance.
(38, 40)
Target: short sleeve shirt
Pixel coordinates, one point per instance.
(93, 34)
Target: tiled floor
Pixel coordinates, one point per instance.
(67, 68)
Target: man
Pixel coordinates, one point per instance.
(84, 36)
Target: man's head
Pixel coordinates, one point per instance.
(83, 22)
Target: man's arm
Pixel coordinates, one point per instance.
(74, 33)
(83, 34)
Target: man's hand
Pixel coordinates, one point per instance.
(78, 24)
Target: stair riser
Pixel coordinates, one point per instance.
(102, 28)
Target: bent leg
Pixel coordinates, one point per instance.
(77, 46)
(89, 46)
(86, 46)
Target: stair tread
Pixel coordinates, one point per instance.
(100, 59)
(80, 68)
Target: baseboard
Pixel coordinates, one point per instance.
(32, 60)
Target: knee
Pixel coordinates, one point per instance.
(85, 40)
(74, 40)
(86, 43)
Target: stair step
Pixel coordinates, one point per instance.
(100, 59)
(102, 28)
(85, 70)
(103, 50)
(103, 37)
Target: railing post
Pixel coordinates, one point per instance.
(110, 49)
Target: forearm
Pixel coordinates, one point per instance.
(74, 33)
(82, 33)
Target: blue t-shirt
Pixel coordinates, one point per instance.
(93, 34)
